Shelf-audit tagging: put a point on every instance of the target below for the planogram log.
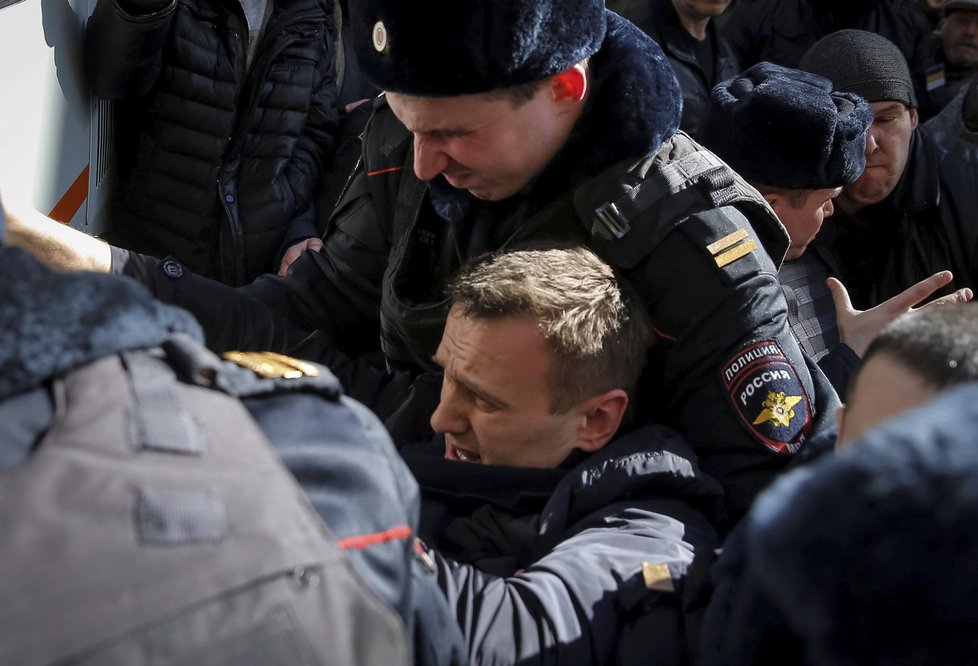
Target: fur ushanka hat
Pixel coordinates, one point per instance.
(455, 47)
(786, 128)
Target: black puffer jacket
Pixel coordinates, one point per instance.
(225, 160)
(780, 31)
(658, 19)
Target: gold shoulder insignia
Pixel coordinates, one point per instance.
(272, 365)
(729, 248)
(657, 577)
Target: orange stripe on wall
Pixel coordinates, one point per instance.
(72, 200)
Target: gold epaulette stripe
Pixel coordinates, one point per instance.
(727, 241)
(272, 365)
(735, 253)
(730, 248)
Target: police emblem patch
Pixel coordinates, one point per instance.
(768, 396)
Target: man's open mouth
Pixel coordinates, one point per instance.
(463, 456)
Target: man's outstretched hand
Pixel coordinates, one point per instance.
(857, 328)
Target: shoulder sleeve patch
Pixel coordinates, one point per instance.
(767, 396)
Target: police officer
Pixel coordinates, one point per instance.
(183, 532)
(527, 122)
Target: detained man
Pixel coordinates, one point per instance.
(551, 540)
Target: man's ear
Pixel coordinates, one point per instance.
(914, 118)
(602, 416)
(569, 85)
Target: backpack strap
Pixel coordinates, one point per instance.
(157, 420)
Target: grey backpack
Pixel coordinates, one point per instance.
(154, 524)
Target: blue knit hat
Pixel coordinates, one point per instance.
(456, 47)
(786, 128)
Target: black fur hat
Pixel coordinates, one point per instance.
(457, 47)
(786, 128)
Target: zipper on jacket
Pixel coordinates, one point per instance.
(247, 100)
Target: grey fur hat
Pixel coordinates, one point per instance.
(864, 63)
(457, 47)
(786, 128)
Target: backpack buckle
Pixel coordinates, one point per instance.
(609, 223)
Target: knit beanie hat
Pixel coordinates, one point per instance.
(864, 63)
(786, 128)
(457, 47)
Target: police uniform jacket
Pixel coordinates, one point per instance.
(546, 565)
(221, 161)
(924, 226)
(699, 251)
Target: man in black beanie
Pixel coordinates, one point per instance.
(520, 123)
(910, 214)
(799, 143)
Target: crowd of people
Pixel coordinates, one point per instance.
(551, 332)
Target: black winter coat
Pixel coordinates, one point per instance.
(544, 566)
(221, 163)
(658, 19)
(780, 31)
(926, 225)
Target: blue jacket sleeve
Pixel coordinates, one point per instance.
(568, 606)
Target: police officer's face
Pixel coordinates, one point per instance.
(884, 388)
(887, 151)
(495, 398)
(804, 218)
(486, 145)
(961, 38)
